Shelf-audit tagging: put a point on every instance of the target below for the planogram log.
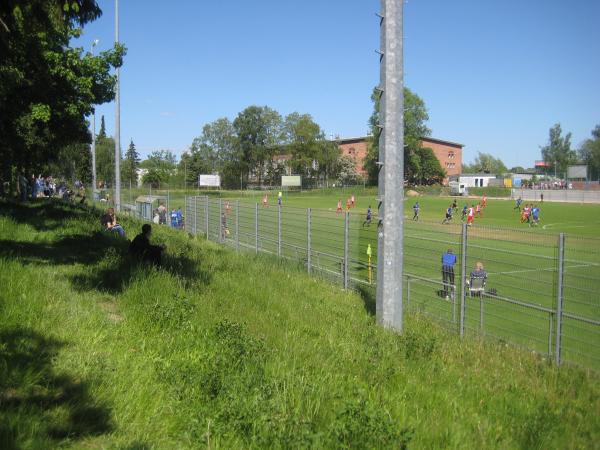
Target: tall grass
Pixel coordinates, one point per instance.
(219, 350)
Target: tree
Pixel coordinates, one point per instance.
(312, 154)
(105, 155)
(161, 166)
(102, 133)
(589, 152)
(47, 88)
(486, 163)
(130, 165)
(347, 170)
(259, 131)
(517, 169)
(415, 118)
(558, 150)
(430, 171)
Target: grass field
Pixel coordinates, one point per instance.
(219, 350)
(522, 262)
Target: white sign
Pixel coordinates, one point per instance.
(576, 172)
(209, 181)
(291, 181)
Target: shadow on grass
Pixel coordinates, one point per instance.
(85, 249)
(38, 406)
(42, 214)
(369, 298)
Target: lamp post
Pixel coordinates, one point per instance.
(117, 196)
(94, 180)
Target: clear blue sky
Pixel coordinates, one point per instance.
(495, 75)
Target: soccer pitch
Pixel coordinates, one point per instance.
(522, 262)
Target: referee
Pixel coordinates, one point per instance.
(448, 262)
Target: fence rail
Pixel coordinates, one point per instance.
(542, 290)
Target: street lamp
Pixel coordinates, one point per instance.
(117, 196)
(94, 181)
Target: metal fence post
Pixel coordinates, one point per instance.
(195, 215)
(559, 295)
(279, 231)
(206, 211)
(237, 225)
(256, 227)
(407, 293)
(550, 323)
(309, 240)
(463, 275)
(221, 225)
(346, 236)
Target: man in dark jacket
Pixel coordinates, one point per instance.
(141, 248)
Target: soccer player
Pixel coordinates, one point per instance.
(448, 262)
(353, 201)
(525, 214)
(279, 198)
(265, 201)
(367, 222)
(416, 209)
(448, 217)
(484, 201)
(471, 215)
(518, 204)
(348, 204)
(478, 210)
(535, 216)
(339, 206)
(454, 205)
(224, 228)
(463, 214)
(227, 207)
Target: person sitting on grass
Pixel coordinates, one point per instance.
(109, 223)
(141, 248)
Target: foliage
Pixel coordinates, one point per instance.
(485, 163)
(558, 150)
(346, 168)
(160, 166)
(589, 153)
(105, 157)
(415, 119)
(47, 87)
(130, 165)
(258, 130)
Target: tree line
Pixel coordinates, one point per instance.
(48, 87)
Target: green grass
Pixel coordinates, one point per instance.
(521, 261)
(220, 350)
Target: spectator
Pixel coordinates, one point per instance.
(22, 186)
(109, 223)
(448, 262)
(162, 214)
(141, 248)
(179, 218)
(174, 218)
(478, 274)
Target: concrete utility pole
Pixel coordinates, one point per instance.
(94, 180)
(391, 164)
(117, 198)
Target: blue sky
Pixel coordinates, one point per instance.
(495, 75)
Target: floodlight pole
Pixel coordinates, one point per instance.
(391, 168)
(117, 197)
(94, 180)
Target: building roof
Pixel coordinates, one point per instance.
(441, 141)
(351, 140)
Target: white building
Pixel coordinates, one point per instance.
(474, 179)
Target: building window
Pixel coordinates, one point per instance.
(450, 155)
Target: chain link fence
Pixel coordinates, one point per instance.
(542, 291)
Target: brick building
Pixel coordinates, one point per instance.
(449, 154)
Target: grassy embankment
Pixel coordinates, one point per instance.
(227, 351)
